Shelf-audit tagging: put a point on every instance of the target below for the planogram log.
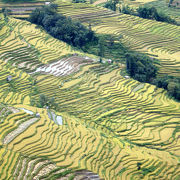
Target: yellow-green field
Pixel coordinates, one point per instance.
(112, 126)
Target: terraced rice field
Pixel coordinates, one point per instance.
(162, 5)
(155, 38)
(112, 127)
(16, 91)
(27, 47)
(30, 44)
(64, 66)
(22, 10)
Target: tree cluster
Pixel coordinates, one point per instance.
(108, 47)
(6, 12)
(61, 27)
(148, 13)
(78, 1)
(127, 10)
(171, 84)
(152, 13)
(111, 4)
(140, 67)
(45, 101)
(143, 12)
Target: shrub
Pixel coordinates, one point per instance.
(127, 10)
(78, 1)
(45, 101)
(140, 67)
(111, 4)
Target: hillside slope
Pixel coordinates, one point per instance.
(115, 127)
(155, 38)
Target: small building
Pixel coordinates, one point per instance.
(127, 77)
(87, 57)
(37, 115)
(47, 3)
(109, 61)
(9, 78)
(75, 54)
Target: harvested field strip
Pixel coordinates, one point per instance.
(22, 127)
(64, 66)
(20, 167)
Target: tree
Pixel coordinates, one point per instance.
(111, 4)
(127, 10)
(177, 92)
(45, 101)
(174, 89)
(101, 48)
(100, 60)
(6, 12)
(115, 2)
(42, 100)
(111, 40)
(162, 82)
